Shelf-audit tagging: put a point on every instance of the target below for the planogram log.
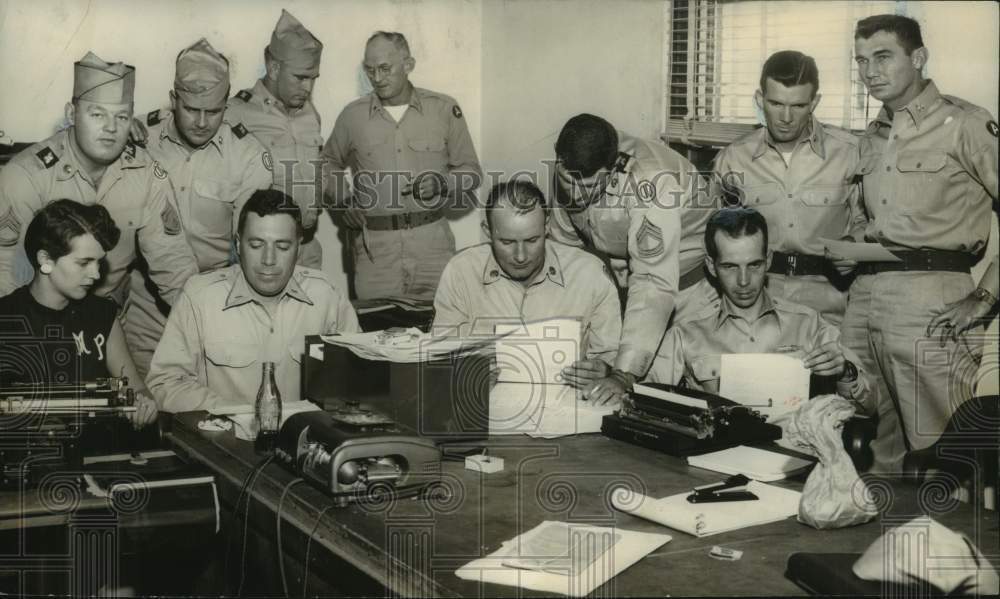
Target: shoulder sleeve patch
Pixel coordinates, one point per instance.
(648, 240)
(171, 222)
(268, 161)
(158, 171)
(10, 228)
(240, 131)
(48, 157)
(244, 95)
(621, 162)
(991, 126)
(455, 110)
(153, 118)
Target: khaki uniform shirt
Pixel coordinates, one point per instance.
(693, 349)
(930, 175)
(290, 138)
(218, 335)
(384, 156)
(134, 189)
(651, 218)
(212, 182)
(475, 295)
(818, 194)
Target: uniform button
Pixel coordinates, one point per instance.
(752, 339)
(494, 273)
(918, 165)
(183, 188)
(790, 225)
(789, 196)
(826, 200)
(552, 270)
(888, 168)
(756, 201)
(884, 201)
(399, 151)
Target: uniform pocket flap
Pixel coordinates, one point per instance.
(923, 161)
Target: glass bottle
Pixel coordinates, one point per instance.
(267, 411)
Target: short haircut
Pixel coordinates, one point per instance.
(397, 39)
(906, 29)
(790, 68)
(57, 224)
(735, 222)
(267, 202)
(523, 196)
(586, 144)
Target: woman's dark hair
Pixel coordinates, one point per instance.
(54, 227)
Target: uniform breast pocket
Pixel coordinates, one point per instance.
(429, 154)
(706, 371)
(824, 208)
(923, 177)
(762, 194)
(212, 208)
(231, 354)
(371, 150)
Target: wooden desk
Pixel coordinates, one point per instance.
(413, 547)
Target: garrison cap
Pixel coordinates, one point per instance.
(294, 45)
(95, 80)
(201, 78)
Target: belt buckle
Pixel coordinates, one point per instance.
(790, 263)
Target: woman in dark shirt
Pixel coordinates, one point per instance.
(53, 328)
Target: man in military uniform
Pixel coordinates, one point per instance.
(228, 322)
(92, 162)
(751, 320)
(409, 150)
(520, 277)
(213, 166)
(802, 176)
(279, 112)
(930, 181)
(642, 207)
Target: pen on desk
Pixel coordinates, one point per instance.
(787, 349)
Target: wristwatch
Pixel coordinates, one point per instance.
(984, 295)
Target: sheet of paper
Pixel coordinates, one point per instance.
(536, 352)
(755, 463)
(704, 519)
(772, 383)
(861, 252)
(546, 411)
(558, 557)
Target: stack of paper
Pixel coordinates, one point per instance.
(758, 464)
(704, 519)
(420, 347)
(557, 557)
(530, 397)
(770, 383)
(546, 411)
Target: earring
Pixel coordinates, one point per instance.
(46, 269)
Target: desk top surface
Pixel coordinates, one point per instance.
(414, 546)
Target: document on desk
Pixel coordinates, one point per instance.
(706, 519)
(545, 411)
(859, 252)
(559, 557)
(536, 352)
(758, 464)
(411, 346)
(772, 383)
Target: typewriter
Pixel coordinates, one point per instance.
(682, 422)
(43, 424)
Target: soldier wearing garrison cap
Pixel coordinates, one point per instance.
(278, 111)
(92, 162)
(214, 168)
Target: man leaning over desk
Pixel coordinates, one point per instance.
(227, 322)
(748, 319)
(520, 276)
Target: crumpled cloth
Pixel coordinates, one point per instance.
(926, 551)
(834, 495)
